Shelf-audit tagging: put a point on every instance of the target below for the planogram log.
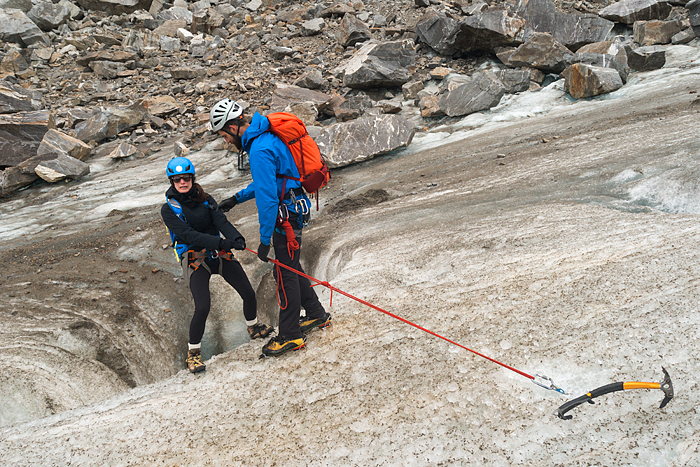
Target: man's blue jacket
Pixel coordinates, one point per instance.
(268, 156)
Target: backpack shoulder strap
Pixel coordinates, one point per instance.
(177, 209)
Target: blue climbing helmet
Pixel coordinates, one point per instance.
(179, 166)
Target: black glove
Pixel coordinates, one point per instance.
(239, 243)
(227, 204)
(227, 245)
(263, 250)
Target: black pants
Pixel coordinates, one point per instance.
(233, 273)
(294, 290)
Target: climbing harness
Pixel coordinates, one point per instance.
(549, 384)
(194, 258)
(666, 386)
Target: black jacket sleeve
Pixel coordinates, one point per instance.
(222, 223)
(187, 234)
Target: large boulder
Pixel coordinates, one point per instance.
(61, 167)
(48, 15)
(584, 81)
(615, 47)
(362, 139)
(57, 142)
(481, 32)
(434, 28)
(21, 134)
(656, 32)
(646, 58)
(108, 123)
(14, 98)
(351, 31)
(693, 7)
(16, 27)
(482, 92)
(289, 94)
(571, 29)
(543, 52)
(378, 65)
(629, 11)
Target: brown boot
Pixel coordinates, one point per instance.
(194, 361)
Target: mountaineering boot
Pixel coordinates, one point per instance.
(307, 324)
(280, 344)
(259, 331)
(194, 361)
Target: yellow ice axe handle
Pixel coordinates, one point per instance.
(599, 392)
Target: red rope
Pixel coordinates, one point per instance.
(332, 288)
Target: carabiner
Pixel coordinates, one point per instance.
(551, 386)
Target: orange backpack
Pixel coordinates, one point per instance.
(313, 170)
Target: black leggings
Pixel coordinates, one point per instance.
(294, 290)
(233, 273)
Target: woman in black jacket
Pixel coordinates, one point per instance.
(195, 224)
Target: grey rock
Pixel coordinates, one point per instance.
(486, 31)
(48, 16)
(656, 32)
(169, 44)
(175, 13)
(188, 72)
(514, 81)
(683, 37)
(337, 9)
(14, 178)
(107, 123)
(287, 94)
(115, 7)
(646, 58)
(481, 93)
(312, 79)
(584, 81)
(106, 69)
(605, 61)
(347, 143)
(434, 28)
(410, 90)
(379, 65)
(629, 11)
(14, 98)
(16, 27)
(21, 134)
(55, 141)
(313, 27)
(693, 8)
(24, 5)
(278, 53)
(61, 167)
(571, 29)
(107, 55)
(351, 31)
(543, 52)
(124, 150)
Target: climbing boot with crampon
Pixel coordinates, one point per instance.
(259, 331)
(194, 361)
(308, 324)
(279, 345)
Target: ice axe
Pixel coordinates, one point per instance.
(666, 386)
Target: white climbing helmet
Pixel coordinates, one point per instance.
(222, 112)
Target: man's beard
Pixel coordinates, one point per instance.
(236, 141)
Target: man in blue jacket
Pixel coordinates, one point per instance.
(269, 157)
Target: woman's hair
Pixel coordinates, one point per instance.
(199, 194)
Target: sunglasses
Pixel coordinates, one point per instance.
(184, 178)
